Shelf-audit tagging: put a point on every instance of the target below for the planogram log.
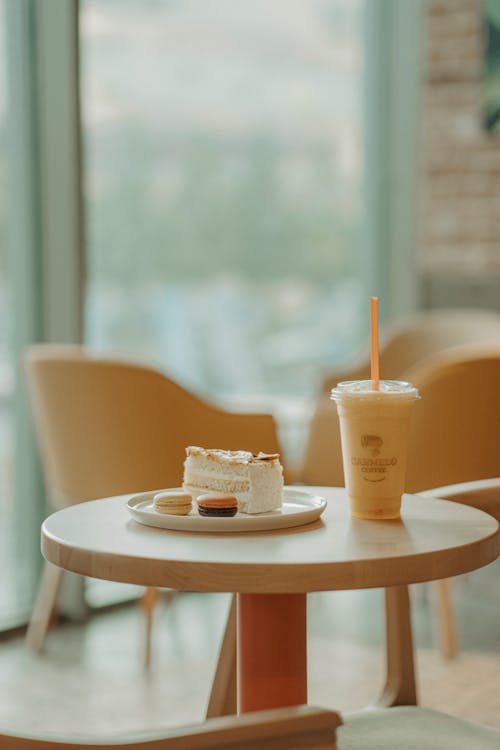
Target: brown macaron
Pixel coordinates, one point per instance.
(217, 504)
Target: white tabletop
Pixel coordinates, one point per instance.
(435, 539)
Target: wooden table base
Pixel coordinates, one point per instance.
(272, 651)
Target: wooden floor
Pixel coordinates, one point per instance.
(90, 679)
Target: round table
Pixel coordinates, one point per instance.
(272, 571)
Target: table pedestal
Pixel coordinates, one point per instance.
(272, 651)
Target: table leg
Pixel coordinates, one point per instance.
(222, 701)
(272, 646)
(400, 688)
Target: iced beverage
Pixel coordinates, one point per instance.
(374, 434)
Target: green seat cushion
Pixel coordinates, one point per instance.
(412, 728)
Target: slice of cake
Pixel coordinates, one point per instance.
(255, 480)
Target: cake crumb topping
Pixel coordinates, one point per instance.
(231, 457)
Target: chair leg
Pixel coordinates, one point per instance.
(222, 701)
(447, 627)
(400, 688)
(44, 606)
(148, 603)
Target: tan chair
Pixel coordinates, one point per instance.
(485, 495)
(110, 427)
(295, 728)
(417, 337)
(455, 430)
(454, 436)
(298, 728)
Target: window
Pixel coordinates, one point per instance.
(223, 162)
(225, 155)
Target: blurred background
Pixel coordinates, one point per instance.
(218, 187)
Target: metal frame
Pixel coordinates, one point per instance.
(46, 228)
(393, 31)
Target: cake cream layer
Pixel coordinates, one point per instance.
(216, 483)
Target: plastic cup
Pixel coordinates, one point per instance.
(374, 427)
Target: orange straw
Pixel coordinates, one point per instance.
(374, 343)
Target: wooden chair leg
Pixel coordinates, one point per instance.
(148, 603)
(44, 606)
(446, 619)
(400, 688)
(222, 701)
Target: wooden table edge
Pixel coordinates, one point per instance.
(184, 575)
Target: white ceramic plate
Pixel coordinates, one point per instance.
(298, 508)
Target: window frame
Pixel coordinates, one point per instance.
(45, 221)
(407, 27)
(392, 99)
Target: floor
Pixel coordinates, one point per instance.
(90, 678)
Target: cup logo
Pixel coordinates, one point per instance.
(373, 469)
(373, 442)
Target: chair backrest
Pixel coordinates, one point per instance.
(297, 727)
(421, 335)
(455, 429)
(109, 426)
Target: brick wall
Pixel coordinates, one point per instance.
(460, 207)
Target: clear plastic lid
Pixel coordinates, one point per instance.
(365, 387)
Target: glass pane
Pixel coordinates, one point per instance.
(223, 168)
(12, 595)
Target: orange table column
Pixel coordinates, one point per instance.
(272, 651)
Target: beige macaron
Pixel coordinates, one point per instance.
(172, 503)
